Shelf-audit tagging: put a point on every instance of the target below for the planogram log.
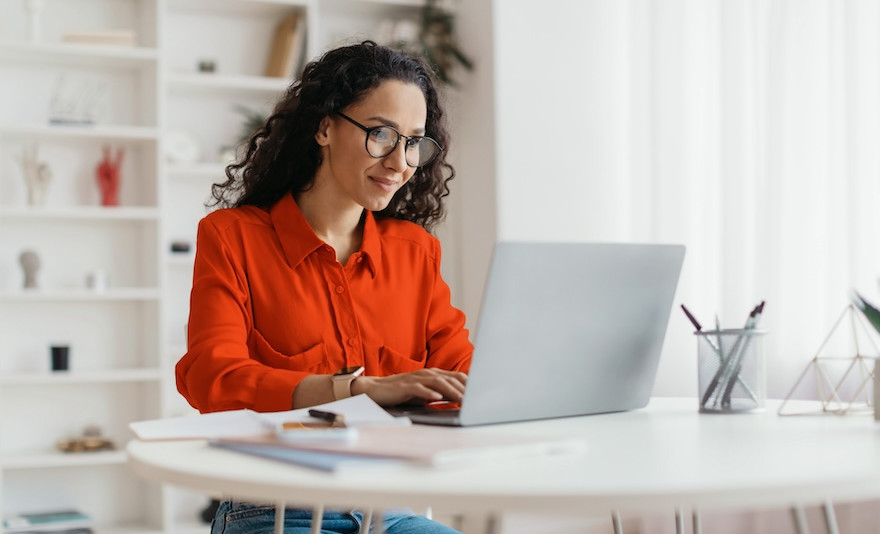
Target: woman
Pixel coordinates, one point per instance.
(323, 265)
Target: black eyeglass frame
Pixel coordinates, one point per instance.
(369, 130)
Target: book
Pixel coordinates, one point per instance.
(286, 51)
(413, 445)
(50, 521)
(103, 37)
(323, 461)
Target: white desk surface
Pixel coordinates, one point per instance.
(653, 459)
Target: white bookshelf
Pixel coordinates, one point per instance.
(126, 339)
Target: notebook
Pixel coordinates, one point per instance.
(566, 329)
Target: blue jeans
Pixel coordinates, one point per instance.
(235, 517)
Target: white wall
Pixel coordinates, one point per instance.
(473, 211)
(562, 130)
(569, 162)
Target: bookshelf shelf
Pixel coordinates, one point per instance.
(252, 7)
(191, 82)
(82, 295)
(81, 377)
(40, 460)
(83, 213)
(79, 54)
(93, 132)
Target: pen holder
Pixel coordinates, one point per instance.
(731, 371)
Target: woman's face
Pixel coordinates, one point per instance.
(348, 168)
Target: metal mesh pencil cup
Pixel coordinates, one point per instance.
(731, 372)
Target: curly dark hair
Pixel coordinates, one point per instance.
(282, 156)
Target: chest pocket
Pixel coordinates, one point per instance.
(313, 360)
(392, 362)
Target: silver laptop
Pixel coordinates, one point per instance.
(566, 329)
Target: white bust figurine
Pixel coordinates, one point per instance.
(30, 263)
(37, 176)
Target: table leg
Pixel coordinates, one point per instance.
(317, 518)
(615, 522)
(279, 517)
(830, 519)
(800, 519)
(379, 522)
(365, 524)
(679, 520)
(698, 523)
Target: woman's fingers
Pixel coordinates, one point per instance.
(424, 384)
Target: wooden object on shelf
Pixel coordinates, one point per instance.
(287, 47)
(103, 37)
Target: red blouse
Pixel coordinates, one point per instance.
(270, 305)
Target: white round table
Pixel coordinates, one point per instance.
(654, 459)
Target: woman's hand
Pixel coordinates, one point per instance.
(422, 386)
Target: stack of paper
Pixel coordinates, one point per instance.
(359, 411)
(401, 445)
(378, 440)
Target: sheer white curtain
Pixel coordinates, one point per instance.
(749, 130)
(758, 125)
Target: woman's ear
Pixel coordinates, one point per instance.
(321, 136)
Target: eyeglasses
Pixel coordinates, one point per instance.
(382, 140)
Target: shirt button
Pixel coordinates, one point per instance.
(340, 290)
(360, 259)
(352, 342)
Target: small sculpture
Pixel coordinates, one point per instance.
(108, 177)
(30, 262)
(91, 440)
(37, 175)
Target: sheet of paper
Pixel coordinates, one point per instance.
(201, 426)
(358, 411)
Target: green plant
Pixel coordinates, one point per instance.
(871, 312)
(253, 120)
(437, 43)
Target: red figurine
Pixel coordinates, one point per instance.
(108, 177)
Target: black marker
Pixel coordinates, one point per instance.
(692, 318)
(330, 417)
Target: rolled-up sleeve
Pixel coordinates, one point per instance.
(448, 343)
(218, 372)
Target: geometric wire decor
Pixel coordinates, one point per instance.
(843, 383)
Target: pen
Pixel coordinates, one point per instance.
(335, 419)
(736, 363)
(691, 317)
(722, 363)
(717, 351)
(729, 367)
